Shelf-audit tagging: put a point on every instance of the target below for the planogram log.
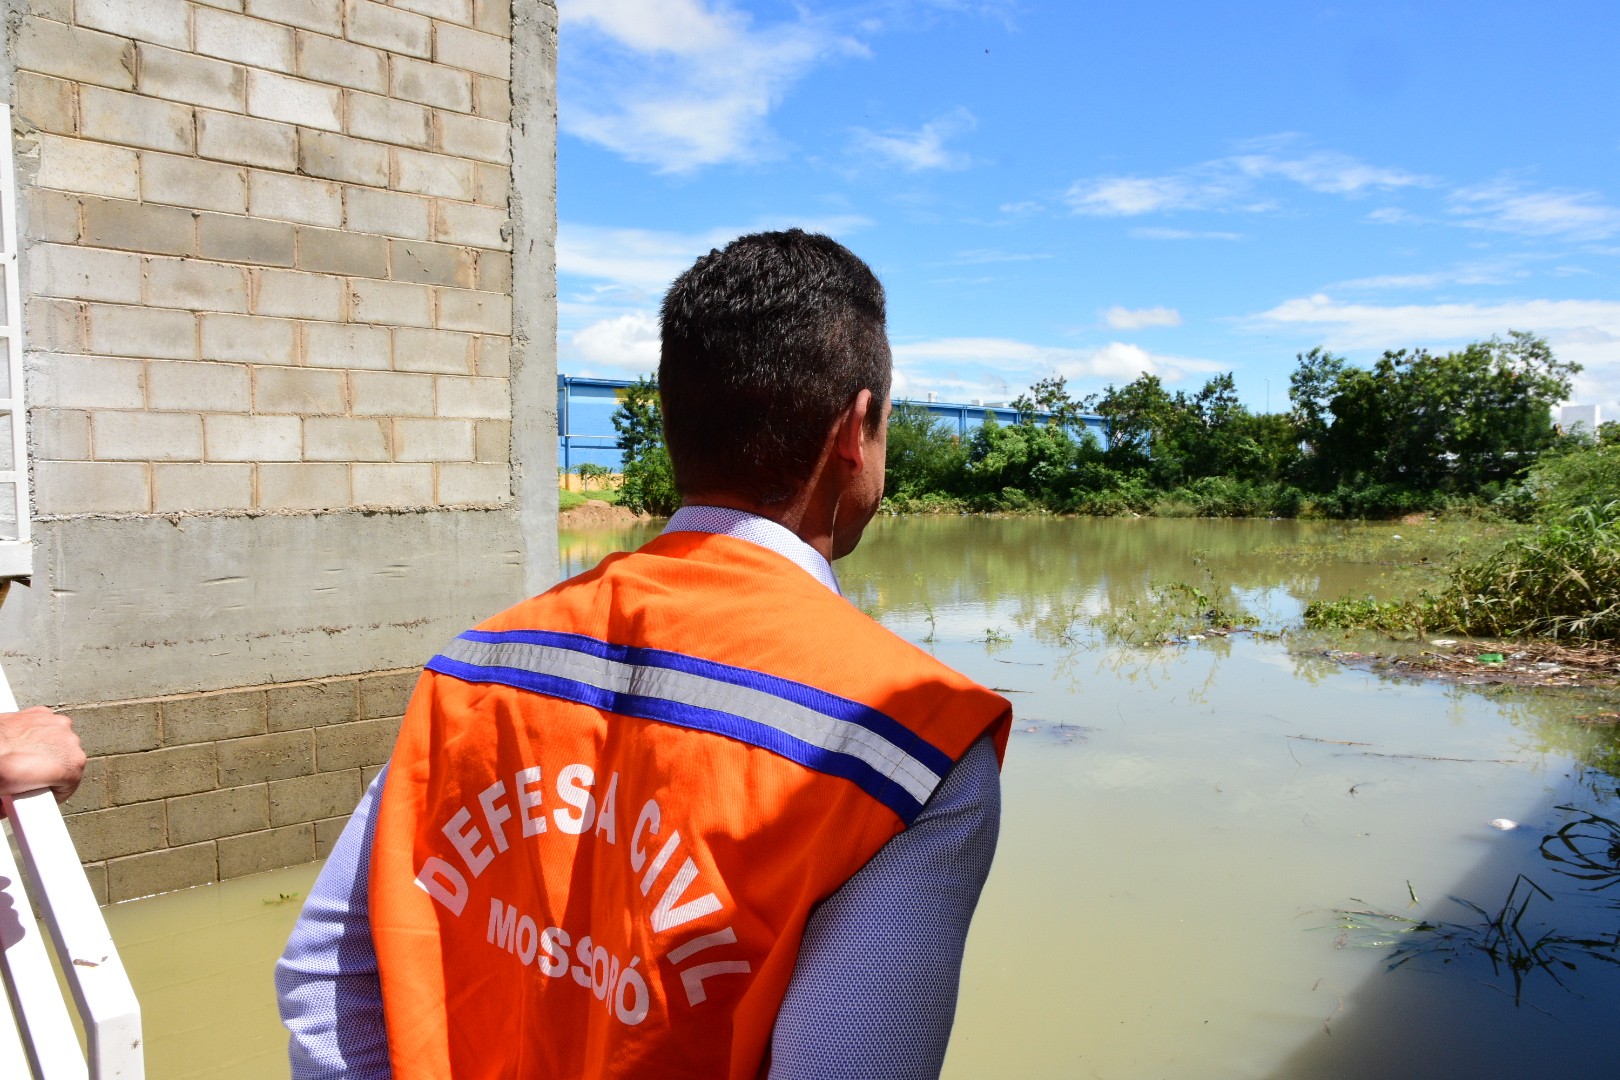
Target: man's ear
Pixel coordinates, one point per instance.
(849, 438)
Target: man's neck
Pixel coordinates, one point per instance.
(794, 515)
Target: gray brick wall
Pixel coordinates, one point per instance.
(271, 253)
(191, 789)
(270, 287)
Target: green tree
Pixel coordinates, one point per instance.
(1262, 447)
(1176, 437)
(924, 456)
(591, 474)
(1211, 428)
(1016, 464)
(1311, 390)
(1136, 414)
(649, 479)
(1460, 423)
(1051, 396)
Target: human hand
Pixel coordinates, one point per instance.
(38, 749)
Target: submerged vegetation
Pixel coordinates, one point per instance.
(1518, 938)
(1516, 945)
(1176, 611)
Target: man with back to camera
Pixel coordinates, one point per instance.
(688, 814)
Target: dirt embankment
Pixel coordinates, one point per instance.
(598, 515)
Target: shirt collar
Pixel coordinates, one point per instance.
(741, 525)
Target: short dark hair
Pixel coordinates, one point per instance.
(764, 343)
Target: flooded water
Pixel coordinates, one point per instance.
(1185, 827)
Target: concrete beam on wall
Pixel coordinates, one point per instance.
(137, 607)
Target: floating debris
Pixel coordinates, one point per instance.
(1525, 663)
(1502, 823)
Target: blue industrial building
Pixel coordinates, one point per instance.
(585, 408)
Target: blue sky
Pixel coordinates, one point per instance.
(1098, 190)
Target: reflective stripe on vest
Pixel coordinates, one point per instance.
(819, 730)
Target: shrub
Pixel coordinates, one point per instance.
(1371, 500)
(929, 502)
(1558, 580)
(1554, 580)
(1584, 477)
(924, 456)
(1224, 496)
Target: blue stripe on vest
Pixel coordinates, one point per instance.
(911, 752)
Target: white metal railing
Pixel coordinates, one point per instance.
(36, 1030)
(16, 545)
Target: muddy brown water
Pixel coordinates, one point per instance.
(1182, 824)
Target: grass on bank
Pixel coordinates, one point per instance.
(572, 500)
(1558, 579)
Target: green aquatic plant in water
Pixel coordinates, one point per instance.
(1173, 611)
(996, 638)
(1516, 947)
(1396, 617)
(1586, 849)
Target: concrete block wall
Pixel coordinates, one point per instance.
(289, 299)
(187, 790)
(271, 264)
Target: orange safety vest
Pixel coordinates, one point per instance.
(612, 808)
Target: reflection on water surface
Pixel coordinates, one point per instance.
(1183, 826)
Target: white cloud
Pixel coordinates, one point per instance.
(1125, 196)
(610, 282)
(916, 151)
(1576, 215)
(626, 343)
(998, 369)
(677, 26)
(682, 84)
(1150, 233)
(1393, 215)
(1325, 171)
(978, 256)
(642, 262)
(1496, 271)
(1585, 331)
(1234, 182)
(1135, 319)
